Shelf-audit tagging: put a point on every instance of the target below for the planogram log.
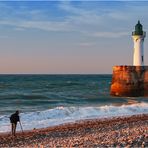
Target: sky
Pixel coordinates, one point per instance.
(68, 37)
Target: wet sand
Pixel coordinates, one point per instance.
(114, 132)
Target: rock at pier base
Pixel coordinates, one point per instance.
(129, 81)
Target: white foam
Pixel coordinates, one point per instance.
(61, 115)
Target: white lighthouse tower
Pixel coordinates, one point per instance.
(138, 38)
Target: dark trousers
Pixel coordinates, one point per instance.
(13, 128)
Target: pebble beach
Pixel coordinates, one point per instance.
(131, 131)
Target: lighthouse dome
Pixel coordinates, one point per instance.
(138, 29)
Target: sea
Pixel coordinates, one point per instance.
(49, 100)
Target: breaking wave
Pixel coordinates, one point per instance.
(60, 115)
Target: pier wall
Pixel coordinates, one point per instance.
(129, 81)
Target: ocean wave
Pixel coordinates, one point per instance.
(60, 115)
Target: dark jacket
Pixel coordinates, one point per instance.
(14, 118)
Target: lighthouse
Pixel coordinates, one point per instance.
(138, 37)
(132, 80)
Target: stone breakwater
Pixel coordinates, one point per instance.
(129, 81)
(115, 132)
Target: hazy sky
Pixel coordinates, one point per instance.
(68, 37)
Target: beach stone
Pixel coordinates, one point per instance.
(116, 132)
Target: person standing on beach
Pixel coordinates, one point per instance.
(14, 118)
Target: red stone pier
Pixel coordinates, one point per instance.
(129, 81)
